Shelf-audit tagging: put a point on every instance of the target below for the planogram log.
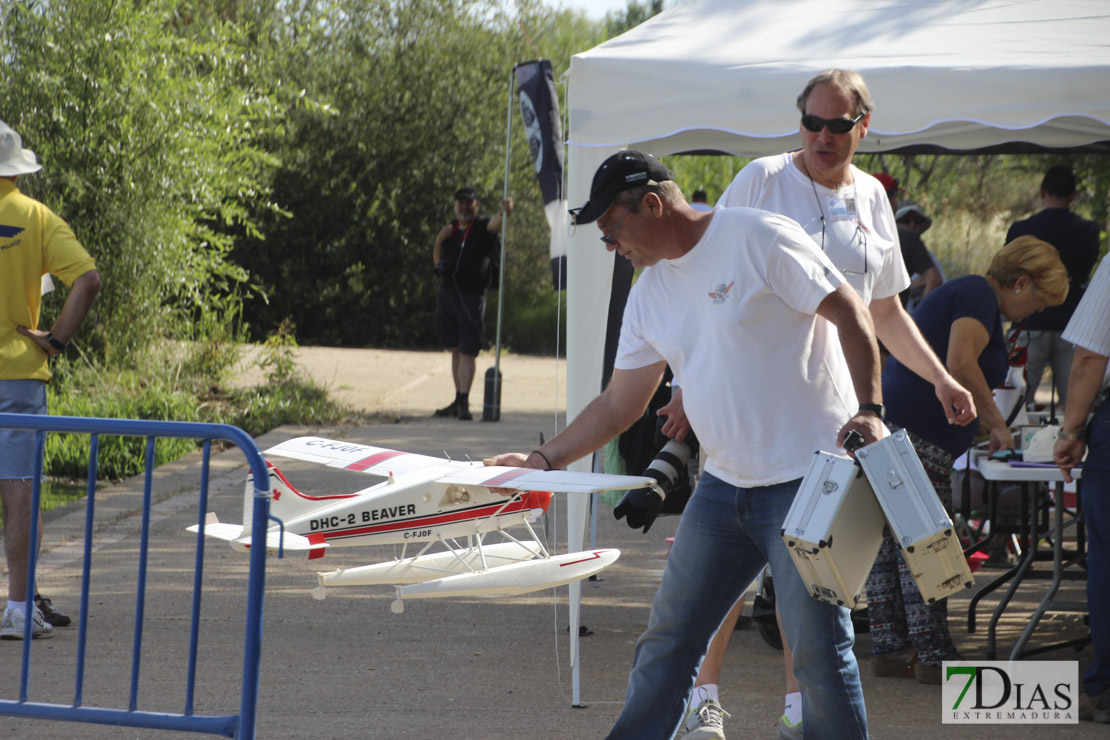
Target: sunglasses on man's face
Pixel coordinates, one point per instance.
(836, 125)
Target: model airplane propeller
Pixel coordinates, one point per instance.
(426, 501)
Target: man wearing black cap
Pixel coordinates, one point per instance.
(768, 381)
(463, 259)
(1076, 239)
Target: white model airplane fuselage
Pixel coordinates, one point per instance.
(423, 501)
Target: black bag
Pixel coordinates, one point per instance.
(641, 442)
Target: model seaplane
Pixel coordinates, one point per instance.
(423, 503)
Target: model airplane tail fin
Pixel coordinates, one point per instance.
(286, 502)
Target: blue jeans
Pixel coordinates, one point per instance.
(1095, 490)
(726, 535)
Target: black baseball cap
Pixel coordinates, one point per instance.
(467, 193)
(622, 171)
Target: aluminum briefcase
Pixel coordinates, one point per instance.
(834, 530)
(916, 517)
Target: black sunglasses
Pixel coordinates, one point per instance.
(836, 125)
(610, 236)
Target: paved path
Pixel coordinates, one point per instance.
(400, 383)
(347, 667)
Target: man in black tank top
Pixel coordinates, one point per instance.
(464, 255)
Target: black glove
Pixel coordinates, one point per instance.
(641, 506)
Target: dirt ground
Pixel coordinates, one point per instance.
(413, 384)
(457, 669)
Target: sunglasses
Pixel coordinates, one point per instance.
(836, 125)
(609, 237)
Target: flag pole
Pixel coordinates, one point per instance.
(491, 410)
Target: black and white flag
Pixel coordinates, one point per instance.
(539, 107)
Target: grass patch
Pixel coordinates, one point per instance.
(170, 387)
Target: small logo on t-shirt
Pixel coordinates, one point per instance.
(720, 295)
(7, 232)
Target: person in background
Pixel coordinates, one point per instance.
(463, 262)
(962, 321)
(910, 216)
(33, 242)
(1086, 427)
(700, 201)
(1076, 239)
(925, 276)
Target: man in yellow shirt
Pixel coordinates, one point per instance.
(33, 242)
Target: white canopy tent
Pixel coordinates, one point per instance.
(722, 75)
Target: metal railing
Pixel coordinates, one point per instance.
(241, 725)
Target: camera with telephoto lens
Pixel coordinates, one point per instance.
(669, 464)
(643, 505)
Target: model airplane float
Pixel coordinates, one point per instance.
(424, 502)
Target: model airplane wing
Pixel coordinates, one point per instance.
(383, 462)
(555, 481)
(356, 457)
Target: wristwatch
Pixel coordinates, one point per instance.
(877, 409)
(1072, 436)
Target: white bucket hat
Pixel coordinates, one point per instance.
(14, 159)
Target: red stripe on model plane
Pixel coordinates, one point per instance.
(369, 462)
(433, 520)
(505, 477)
(595, 555)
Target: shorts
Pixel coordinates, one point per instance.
(17, 446)
(461, 320)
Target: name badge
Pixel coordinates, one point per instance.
(842, 209)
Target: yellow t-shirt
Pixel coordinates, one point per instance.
(33, 241)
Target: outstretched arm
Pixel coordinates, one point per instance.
(622, 402)
(966, 342)
(900, 335)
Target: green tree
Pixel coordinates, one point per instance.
(147, 126)
(402, 103)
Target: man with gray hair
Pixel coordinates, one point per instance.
(847, 213)
(33, 241)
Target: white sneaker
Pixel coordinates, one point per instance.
(788, 731)
(706, 721)
(11, 628)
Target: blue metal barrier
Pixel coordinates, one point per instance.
(241, 725)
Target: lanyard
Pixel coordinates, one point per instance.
(466, 235)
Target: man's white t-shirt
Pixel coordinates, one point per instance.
(764, 380)
(1089, 326)
(860, 236)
